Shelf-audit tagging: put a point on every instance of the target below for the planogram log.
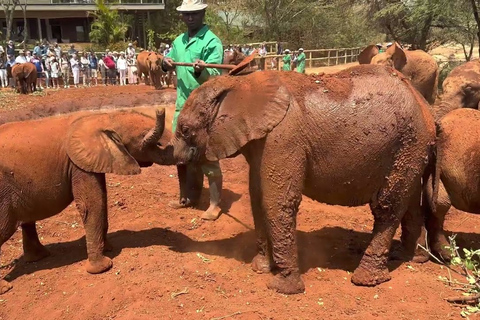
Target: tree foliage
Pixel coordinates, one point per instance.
(108, 26)
(424, 23)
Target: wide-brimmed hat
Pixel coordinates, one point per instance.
(286, 51)
(301, 49)
(192, 5)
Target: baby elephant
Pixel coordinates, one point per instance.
(46, 164)
(458, 166)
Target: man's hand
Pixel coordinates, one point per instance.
(199, 66)
(167, 64)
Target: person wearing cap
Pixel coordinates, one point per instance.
(198, 45)
(287, 60)
(130, 52)
(301, 61)
(21, 57)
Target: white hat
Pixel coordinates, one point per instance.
(130, 44)
(286, 50)
(389, 44)
(167, 46)
(301, 49)
(192, 5)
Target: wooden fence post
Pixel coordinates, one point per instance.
(310, 59)
(336, 58)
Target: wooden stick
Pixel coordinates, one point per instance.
(464, 299)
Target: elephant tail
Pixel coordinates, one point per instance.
(433, 171)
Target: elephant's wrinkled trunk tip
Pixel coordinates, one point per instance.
(155, 134)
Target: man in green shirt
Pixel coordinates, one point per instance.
(198, 45)
(287, 59)
(301, 61)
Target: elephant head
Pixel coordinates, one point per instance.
(226, 113)
(394, 57)
(154, 62)
(119, 141)
(233, 57)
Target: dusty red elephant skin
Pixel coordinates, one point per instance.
(461, 89)
(344, 139)
(458, 168)
(48, 163)
(419, 66)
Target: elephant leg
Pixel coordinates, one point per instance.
(90, 195)
(33, 250)
(413, 230)
(262, 262)
(388, 207)
(281, 200)
(8, 225)
(434, 223)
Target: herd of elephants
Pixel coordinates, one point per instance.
(372, 134)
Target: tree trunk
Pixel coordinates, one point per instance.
(25, 26)
(477, 19)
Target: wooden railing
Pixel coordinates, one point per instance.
(314, 58)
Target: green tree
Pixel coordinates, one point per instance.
(108, 26)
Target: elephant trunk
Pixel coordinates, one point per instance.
(154, 135)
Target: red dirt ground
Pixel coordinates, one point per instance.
(159, 252)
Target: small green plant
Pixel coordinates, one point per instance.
(467, 266)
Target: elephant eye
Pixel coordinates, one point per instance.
(185, 131)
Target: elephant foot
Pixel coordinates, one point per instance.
(420, 256)
(287, 284)
(439, 249)
(35, 253)
(5, 286)
(99, 265)
(261, 264)
(370, 277)
(212, 213)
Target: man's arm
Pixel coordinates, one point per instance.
(213, 54)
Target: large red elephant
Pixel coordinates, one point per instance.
(25, 76)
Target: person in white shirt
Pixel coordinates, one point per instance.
(75, 65)
(85, 69)
(130, 52)
(122, 68)
(28, 56)
(21, 57)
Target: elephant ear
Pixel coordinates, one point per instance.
(28, 69)
(366, 56)
(397, 55)
(246, 114)
(94, 146)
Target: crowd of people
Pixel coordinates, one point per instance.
(56, 68)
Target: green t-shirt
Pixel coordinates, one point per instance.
(301, 63)
(286, 62)
(206, 46)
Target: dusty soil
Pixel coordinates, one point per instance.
(159, 253)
